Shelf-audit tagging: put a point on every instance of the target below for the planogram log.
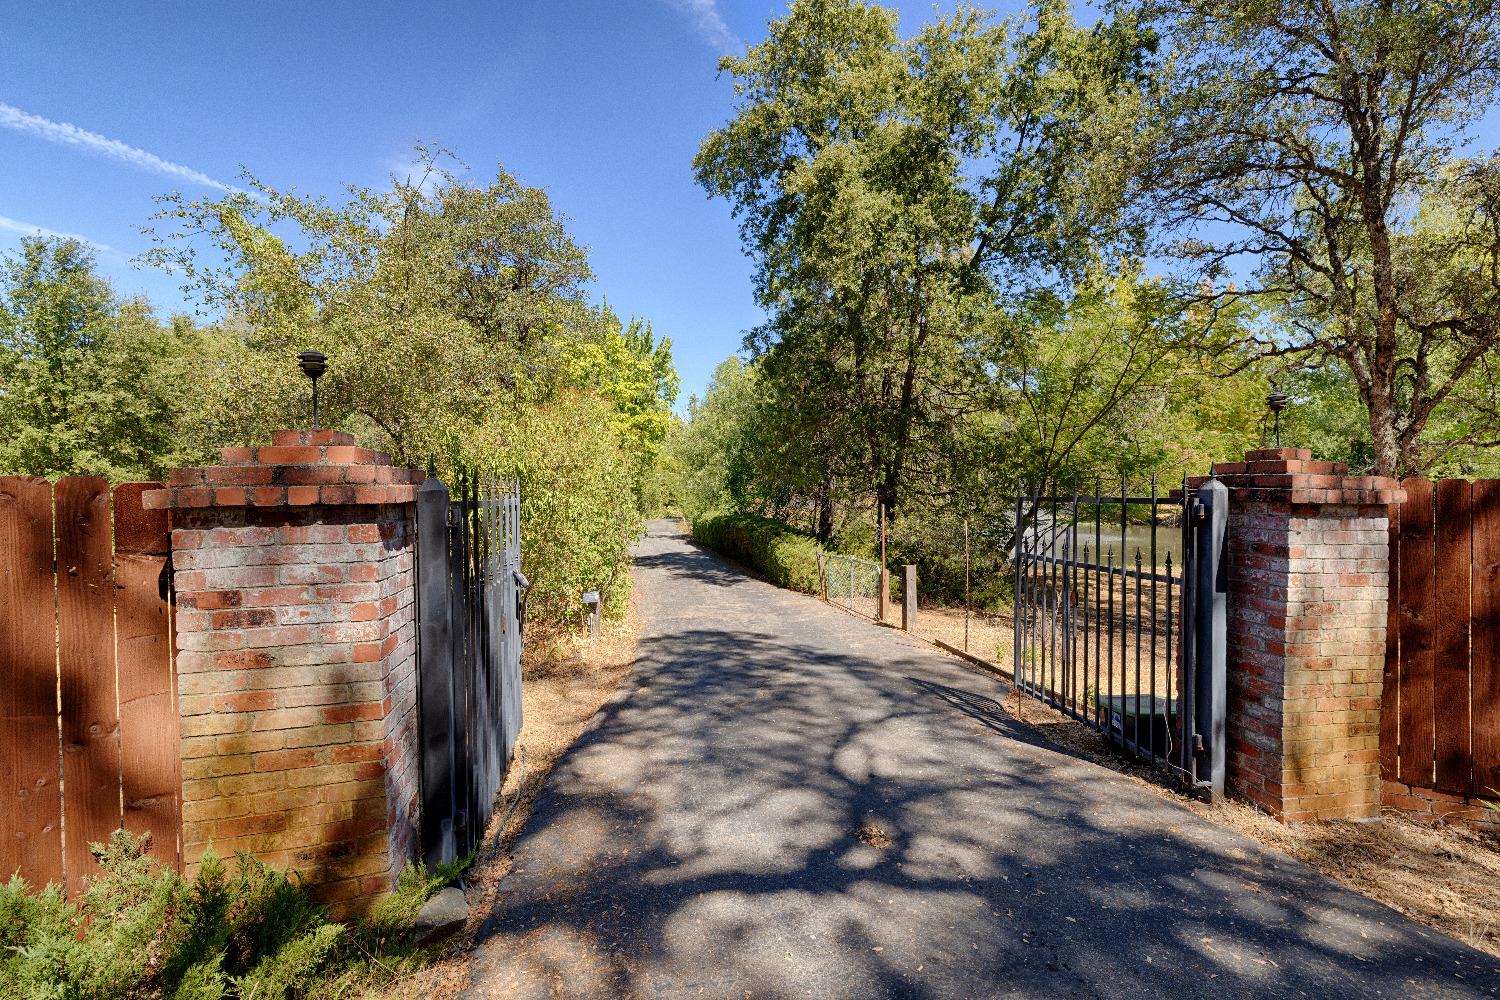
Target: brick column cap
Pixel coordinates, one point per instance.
(300, 468)
(1290, 476)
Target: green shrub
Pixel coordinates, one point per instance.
(140, 931)
(579, 514)
(784, 555)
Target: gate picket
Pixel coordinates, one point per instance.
(149, 757)
(31, 827)
(1485, 679)
(1417, 599)
(90, 718)
(469, 678)
(1452, 557)
(1390, 688)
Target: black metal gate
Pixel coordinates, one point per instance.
(1119, 619)
(471, 606)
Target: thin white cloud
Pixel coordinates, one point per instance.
(71, 135)
(30, 229)
(410, 169)
(710, 24)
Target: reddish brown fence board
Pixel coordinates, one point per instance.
(85, 630)
(1452, 558)
(1484, 683)
(1417, 609)
(31, 824)
(1442, 672)
(1390, 691)
(85, 657)
(150, 759)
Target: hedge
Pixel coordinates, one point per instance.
(783, 554)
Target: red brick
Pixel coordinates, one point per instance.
(364, 532)
(301, 496)
(310, 475)
(289, 455)
(356, 753)
(351, 713)
(270, 597)
(367, 652)
(286, 760)
(318, 438)
(245, 701)
(244, 659)
(210, 600)
(256, 618)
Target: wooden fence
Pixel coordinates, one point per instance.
(88, 707)
(1440, 715)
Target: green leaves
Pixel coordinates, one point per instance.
(238, 931)
(1291, 145)
(89, 385)
(895, 195)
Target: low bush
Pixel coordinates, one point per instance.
(783, 554)
(140, 931)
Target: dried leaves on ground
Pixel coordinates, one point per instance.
(566, 680)
(1447, 877)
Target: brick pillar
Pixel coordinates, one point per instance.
(1307, 559)
(293, 567)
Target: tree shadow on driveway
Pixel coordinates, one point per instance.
(703, 839)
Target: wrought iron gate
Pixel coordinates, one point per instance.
(471, 607)
(1120, 624)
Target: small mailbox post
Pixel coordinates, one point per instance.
(591, 604)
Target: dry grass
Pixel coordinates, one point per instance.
(566, 680)
(1445, 877)
(990, 633)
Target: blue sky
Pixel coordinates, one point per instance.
(601, 103)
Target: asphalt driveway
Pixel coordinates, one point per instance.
(700, 840)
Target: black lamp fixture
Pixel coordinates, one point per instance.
(1276, 402)
(313, 365)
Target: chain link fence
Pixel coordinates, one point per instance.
(852, 583)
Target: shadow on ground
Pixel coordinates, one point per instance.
(701, 841)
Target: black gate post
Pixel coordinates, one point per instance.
(1210, 628)
(435, 673)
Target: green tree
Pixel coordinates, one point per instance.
(457, 328)
(892, 191)
(89, 385)
(1295, 139)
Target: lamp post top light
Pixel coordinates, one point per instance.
(313, 365)
(1276, 402)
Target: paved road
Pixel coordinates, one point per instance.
(698, 842)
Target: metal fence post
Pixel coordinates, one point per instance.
(435, 674)
(908, 597)
(1210, 598)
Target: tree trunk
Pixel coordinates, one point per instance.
(1383, 437)
(825, 509)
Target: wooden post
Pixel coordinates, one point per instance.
(822, 576)
(884, 582)
(908, 597)
(966, 585)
